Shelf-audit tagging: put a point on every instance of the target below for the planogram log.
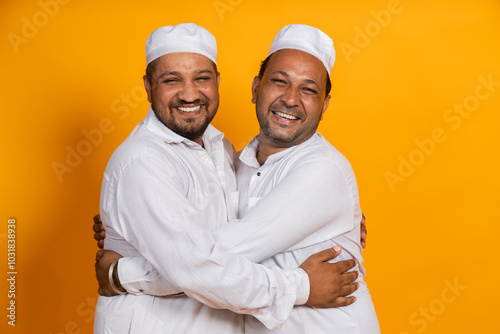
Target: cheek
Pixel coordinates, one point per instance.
(269, 96)
(313, 108)
(165, 96)
(211, 93)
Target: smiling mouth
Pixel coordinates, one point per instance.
(189, 109)
(285, 116)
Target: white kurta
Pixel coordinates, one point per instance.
(161, 196)
(309, 202)
(312, 190)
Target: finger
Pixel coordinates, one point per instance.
(349, 289)
(97, 227)
(344, 301)
(349, 277)
(97, 218)
(363, 225)
(364, 231)
(104, 293)
(363, 236)
(99, 255)
(327, 254)
(99, 235)
(100, 244)
(343, 266)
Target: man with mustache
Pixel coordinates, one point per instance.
(166, 189)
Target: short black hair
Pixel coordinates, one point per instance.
(263, 67)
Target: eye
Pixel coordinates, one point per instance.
(279, 82)
(170, 81)
(310, 90)
(203, 78)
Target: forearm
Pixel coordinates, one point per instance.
(311, 204)
(139, 277)
(277, 223)
(161, 228)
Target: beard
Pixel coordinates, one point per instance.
(276, 136)
(190, 128)
(284, 138)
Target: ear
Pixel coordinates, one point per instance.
(218, 79)
(255, 89)
(147, 85)
(326, 102)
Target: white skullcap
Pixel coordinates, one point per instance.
(308, 39)
(184, 37)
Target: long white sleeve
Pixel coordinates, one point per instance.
(305, 199)
(147, 207)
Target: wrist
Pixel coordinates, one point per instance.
(114, 279)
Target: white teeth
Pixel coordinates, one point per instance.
(186, 109)
(285, 116)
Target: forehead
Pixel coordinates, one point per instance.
(297, 63)
(183, 62)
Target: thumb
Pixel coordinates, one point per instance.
(329, 253)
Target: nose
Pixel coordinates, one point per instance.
(290, 97)
(188, 92)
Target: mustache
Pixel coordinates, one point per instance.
(286, 110)
(179, 102)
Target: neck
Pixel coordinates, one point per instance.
(199, 141)
(266, 149)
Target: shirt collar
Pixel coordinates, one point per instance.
(249, 154)
(154, 125)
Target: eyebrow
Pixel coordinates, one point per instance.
(166, 73)
(308, 81)
(205, 71)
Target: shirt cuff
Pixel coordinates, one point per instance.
(130, 275)
(303, 287)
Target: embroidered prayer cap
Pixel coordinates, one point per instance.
(184, 37)
(308, 39)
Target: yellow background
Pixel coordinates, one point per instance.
(396, 80)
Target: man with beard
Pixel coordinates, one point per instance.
(166, 188)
